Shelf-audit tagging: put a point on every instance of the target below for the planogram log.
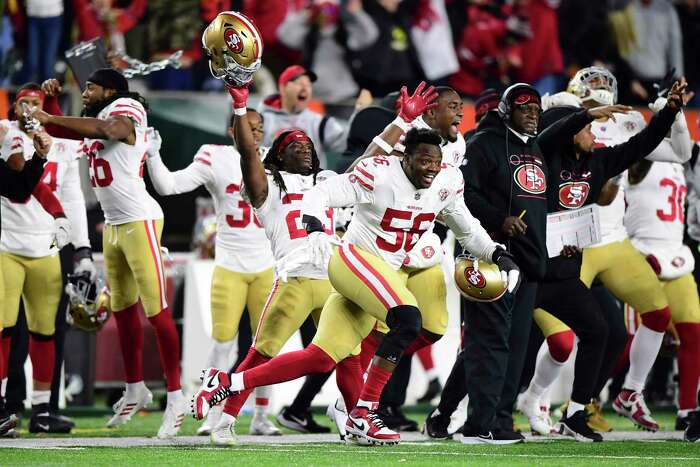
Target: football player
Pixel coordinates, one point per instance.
(243, 273)
(396, 200)
(114, 126)
(655, 195)
(34, 230)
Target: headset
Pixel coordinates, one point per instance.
(504, 106)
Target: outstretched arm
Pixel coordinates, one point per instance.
(118, 127)
(182, 181)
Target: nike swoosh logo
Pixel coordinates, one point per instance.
(299, 421)
(361, 426)
(210, 382)
(43, 427)
(129, 231)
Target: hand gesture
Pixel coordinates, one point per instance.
(154, 142)
(608, 111)
(42, 143)
(40, 116)
(411, 107)
(676, 96)
(514, 226)
(239, 96)
(51, 87)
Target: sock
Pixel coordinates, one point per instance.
(131, 342)
(41, 397)
(684, 413)
(425, 355)
(5, 342)
(42, 351)
(220, 355)
(225, 420)
(262, 399)
(235, 402)
(175, 396)
(418, 343)
(288, 366)
(547, 369)
(135, 387)
(348, 376)
(369, 348)
(431, 374)
(643, 351)
(376, 380)
(688, 365)
(573, 408)
(3, 387)
(168, 347)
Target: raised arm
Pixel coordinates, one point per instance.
(52, 88)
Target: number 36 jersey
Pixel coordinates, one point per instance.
(116, 168)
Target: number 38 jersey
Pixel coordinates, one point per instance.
(116, 168)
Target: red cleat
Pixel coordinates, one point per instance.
(365, 427)
(631, 405)
(214, 389)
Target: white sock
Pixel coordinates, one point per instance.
(546, 371)
(573, 408)
(645, 347)
(262, 399)
(175, 396)
(340, 404)
(220, 355)
(431, 374)
(366, 404)
(41, 397)
(237, 382)
(226, 420)
(684, 413)
(131, 388)
(3, 387)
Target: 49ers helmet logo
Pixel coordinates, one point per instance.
(530, 178)
(233, 41)
(572, 195)
(475, 278)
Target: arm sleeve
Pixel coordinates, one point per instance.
(479, 168)
(191, 177)
(562, 131)
(340, 191)
(19, 185)
(74, 206)
(680, 144)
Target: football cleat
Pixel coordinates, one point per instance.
(596, 420)
(537, 416)
(173, 417)
(692, 432)
(49, 423)
(213, 390)
(434, 390)
(8, 422)
(365, 427)
(128, 405)
(490, 437)
(212, 420)
(577, 427)
(436, 425)
(301, 422)
(337, 412)
(224, 433)
(631, 405)
(260, 425)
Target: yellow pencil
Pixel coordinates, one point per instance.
(522, 214)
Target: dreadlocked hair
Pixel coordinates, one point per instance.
(274, 164)
(94, 111)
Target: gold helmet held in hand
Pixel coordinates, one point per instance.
(89, 306)
(478, 281)
(234, 47)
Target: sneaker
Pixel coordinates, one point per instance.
(394, 418)
(365, 427)
(577, 427)
(434, 389)
(8, 422)
(224, 434)
(173, 417)
(212, 420)
(692, 433)
(128, 405)
(11, 434)
(490, 437)
(596, 420)
(47, 423)
(214, 389)
(260, 425)
(537, 416)
(337, 412)
(301, 422)
(631, 405)
(436, 425)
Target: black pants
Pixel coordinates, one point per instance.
(495, 341)
(617, 337)
(313, 383)
(573, 303)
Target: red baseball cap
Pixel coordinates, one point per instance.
(293, 72)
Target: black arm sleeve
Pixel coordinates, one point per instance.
(616, 159)
(479, 168)
(562, 132)
(19, 185)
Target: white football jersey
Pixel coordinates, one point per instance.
(241, 244)
(116, 169)
(452, 152)
(27, 229)
(280, 215)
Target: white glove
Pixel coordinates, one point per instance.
(294, 259)
(321, 248)
(86, 265)
(560, 99)
(154, 141)
(61, 232)
(657, 105)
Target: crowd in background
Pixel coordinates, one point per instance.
(379, 45)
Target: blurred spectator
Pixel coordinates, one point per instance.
(323, 31)
(7, 43)
(44, 24)
(583, 32)
(268, 16)
(431, 26)
(689, 14)
(289, 109)
(100, 18)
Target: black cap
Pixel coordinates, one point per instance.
(109, 78)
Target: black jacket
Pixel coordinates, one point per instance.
(505, 176)
(19, 185)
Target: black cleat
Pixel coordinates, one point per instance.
(683, 422)
(395, 419)
(577, 427)
(470, 436)
(434, 389)
(692, 432)
(49, 423)
(436, 425)
(303, 423)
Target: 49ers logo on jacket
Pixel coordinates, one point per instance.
(233, 41)
(572, 195)
(530, 178)
(475, 278)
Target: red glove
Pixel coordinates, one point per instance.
(413, 106)
(654, 263)
(240, 98)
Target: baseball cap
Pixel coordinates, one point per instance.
(293, 72)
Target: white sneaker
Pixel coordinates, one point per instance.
(212, 420)
(336, 412)
(173, 417)
(128, 405)
(540, 422)
(224, 434)
(260, 425)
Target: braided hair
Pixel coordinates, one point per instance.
(275, 165)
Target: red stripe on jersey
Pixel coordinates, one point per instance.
(202, 160)
(127, 113)
(268, 301)
(365, 173)
(461, 190)
(366, 185)
(364, 280)
(155, 254)
(376, 273)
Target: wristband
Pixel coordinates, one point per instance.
(240, 111)
(383, 145)
(399, 147)
(401, 123)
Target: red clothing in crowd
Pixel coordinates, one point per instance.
(541, 53)
(91, 26)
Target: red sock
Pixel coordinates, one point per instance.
(425, 355)
(369, 348)
(42, 351)
(235, 402)
(168, 347)
(4, 356)
(131, 342)
(348, 376)
(418, 343)
(374, 385)
(289, 366)
(688, 365)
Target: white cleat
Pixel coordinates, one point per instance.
(128, 405)
(540, 423)
(224, 434)
(212, 420)
(336, 412)
(173, 417)
(260, 425)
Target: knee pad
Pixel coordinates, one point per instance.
(657, 320)
(560, 345)
(404, 323)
